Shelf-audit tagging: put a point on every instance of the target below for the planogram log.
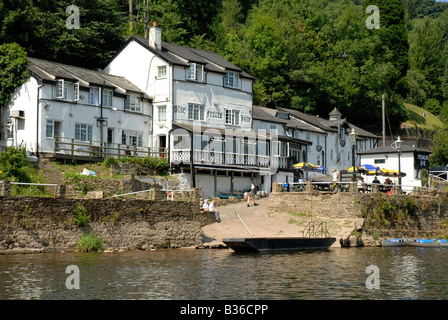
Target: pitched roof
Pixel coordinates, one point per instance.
(182, 55)
(269, 114)
(52, 71)
(326, 124)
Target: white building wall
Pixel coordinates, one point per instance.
(391, 162)
(25, 99)
(67, 114)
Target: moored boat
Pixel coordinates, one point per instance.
(258, 244)
(423, 243)
(393, 243)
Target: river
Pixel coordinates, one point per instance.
(338, 273)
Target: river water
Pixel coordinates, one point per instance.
(338, 273)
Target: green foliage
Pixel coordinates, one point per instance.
(110, 162)
(89, 243)
(439, 156)
(13, 72)
(81, 217)
(150, 163)
(433, 106)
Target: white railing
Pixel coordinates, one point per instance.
(97, 149)
(229, 158)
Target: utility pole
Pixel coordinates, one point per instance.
(384, 120)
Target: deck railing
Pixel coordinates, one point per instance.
(97, 149)
(229, 158)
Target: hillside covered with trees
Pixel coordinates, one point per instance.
(311, 55)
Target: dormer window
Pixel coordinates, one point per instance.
(195, 72)
(231, 80)
(282, 115)
(133, 103)
(61, 90)
(107, 98)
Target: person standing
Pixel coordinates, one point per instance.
(251, 194)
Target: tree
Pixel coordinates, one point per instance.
(439, 156)
(13, 71)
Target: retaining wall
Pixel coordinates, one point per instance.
(32, 224)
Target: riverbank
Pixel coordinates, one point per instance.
(262, 221)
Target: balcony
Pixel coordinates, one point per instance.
(231, 159)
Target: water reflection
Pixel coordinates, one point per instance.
(405, 273)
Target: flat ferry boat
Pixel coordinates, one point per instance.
(258, 244)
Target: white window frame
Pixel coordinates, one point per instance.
(192, 71)
(133, 103)
(161, 72)
(49, 125)
(82, 128)
(161, 113)
(76, 91)
(60, 89)
(9, 130)
(231, 80)
(91, 96)
(107, 98)
(232, 117)
(132, 138)
(196, 109)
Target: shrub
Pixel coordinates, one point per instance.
(89, 243)
(81, 217)
(109, 162)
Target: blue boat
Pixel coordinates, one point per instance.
(423, 243)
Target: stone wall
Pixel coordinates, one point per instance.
(31, 224)
(370, 217)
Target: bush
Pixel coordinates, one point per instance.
(81, 217)
(89, 243)
(109, 162)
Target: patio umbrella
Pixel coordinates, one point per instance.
(392, 173)
(358, 169)
(371, 169)
(305, 166)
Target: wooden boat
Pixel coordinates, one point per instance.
(443, 242)
(262, 244)
(258, 244)
(394, 243)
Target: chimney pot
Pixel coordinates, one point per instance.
(155, 37)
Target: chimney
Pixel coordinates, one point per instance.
(155, 37)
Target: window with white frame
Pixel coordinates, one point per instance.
(195, 72)
(231, 80)
(133, 103)
(132, 138)
(83, 132)
(161, 114)
(92, 97)
(107, 97)
(196, 112)
(191, 71)
(49, 129)
(161, 72)
(232, 117)
(9, 130)
(76, 91)
(61, 90)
